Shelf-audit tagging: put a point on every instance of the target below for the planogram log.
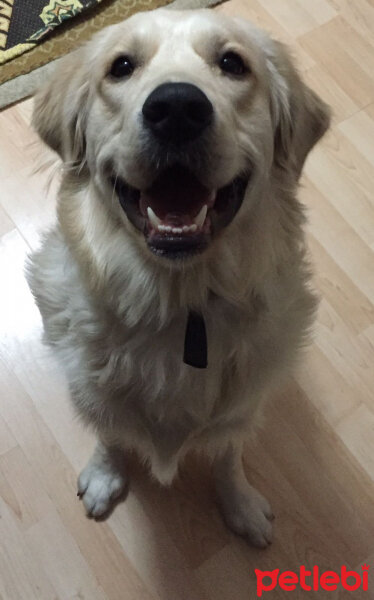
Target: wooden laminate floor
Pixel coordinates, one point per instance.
(313, 458)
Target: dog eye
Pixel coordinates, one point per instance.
(232, 63)
(122, 67)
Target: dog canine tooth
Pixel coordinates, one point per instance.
(200, 218)
(156, 222)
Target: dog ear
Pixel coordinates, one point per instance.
(299, 116)
(60, 108)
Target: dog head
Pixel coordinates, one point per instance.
(187, 116)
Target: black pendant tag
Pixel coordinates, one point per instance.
(195, 342)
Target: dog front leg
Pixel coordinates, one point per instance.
(103, 479)
(244, 509)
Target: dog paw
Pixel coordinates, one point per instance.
(99, 485)
(248, 514)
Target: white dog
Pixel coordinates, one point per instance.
(179, 243)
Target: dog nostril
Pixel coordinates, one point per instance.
(200, 112)
(156, 111)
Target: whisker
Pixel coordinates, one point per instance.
(114, 189)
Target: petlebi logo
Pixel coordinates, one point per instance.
(312, 580)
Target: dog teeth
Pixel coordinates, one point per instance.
(200, 218)
(156, 222)
(197, 224)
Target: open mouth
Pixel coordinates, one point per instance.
(177, 214)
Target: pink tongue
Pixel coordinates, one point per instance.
(176, 196)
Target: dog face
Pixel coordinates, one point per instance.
(181, 117)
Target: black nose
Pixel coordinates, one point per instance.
(177, 112)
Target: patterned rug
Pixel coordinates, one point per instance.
(24, 23)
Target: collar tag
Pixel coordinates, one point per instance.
(195, 341)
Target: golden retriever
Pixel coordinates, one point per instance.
(175, 285)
